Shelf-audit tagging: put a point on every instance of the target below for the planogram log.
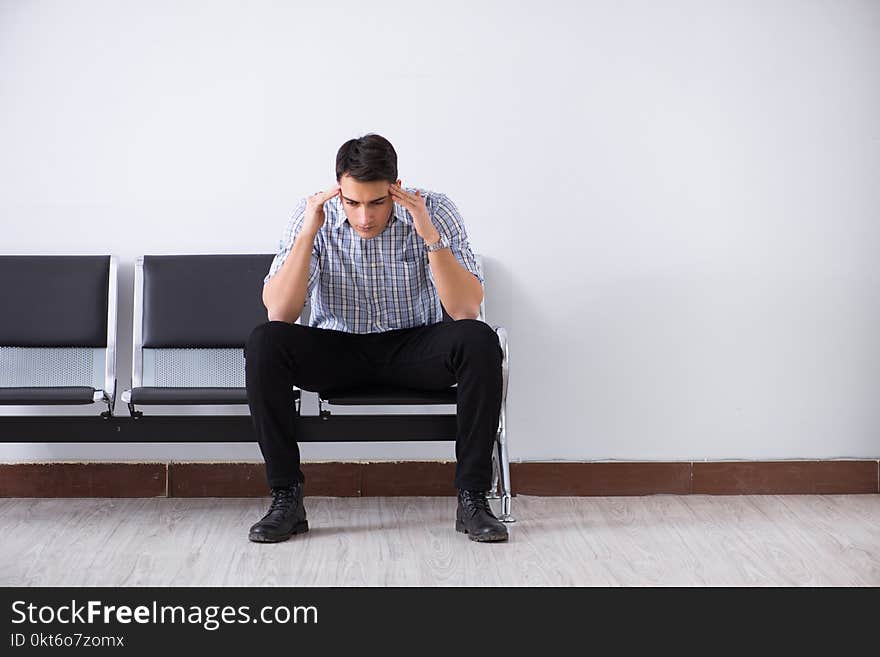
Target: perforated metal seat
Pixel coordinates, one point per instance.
(58, 330)
(192, 317)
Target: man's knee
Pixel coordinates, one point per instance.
(265, 336)
(476, 336)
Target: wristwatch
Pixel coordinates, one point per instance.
(442, 243)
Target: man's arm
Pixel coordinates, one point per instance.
(459, 289)
(461, 293)
(284, 294)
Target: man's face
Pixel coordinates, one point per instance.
(368, 205)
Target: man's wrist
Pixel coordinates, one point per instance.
(441, 243)
(433, 239)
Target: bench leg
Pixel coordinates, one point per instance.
(493, 493)
(504, 469)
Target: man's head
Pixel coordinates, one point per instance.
(364, 168)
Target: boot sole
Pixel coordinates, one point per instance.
(300, 528)
(480, 538)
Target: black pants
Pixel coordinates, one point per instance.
(280, 355)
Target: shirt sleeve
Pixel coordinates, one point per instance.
(448, 222)
(293, 228)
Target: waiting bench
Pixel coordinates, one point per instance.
(192, 317)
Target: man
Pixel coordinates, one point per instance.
(377, 261)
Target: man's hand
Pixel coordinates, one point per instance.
(314, 214)
(415, 203)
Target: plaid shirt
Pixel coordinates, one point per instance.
(381, 284)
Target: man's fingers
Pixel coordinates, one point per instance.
(402, 196)
(324, 196)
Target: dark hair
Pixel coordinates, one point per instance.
(367, 158)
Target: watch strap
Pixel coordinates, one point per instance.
(442, 243)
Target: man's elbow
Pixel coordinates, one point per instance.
(274, 312)
(470, 309)
(469, 313)
(281, 316)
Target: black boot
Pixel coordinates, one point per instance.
(286, 516)
(474, 517)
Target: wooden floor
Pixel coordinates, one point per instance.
(410, 541)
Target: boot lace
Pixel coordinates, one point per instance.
(475, 501)
(283, 499)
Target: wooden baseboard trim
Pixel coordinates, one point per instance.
(83, 479)
(785, 478)
(434, 478)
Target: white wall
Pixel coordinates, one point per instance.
(679, 205)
